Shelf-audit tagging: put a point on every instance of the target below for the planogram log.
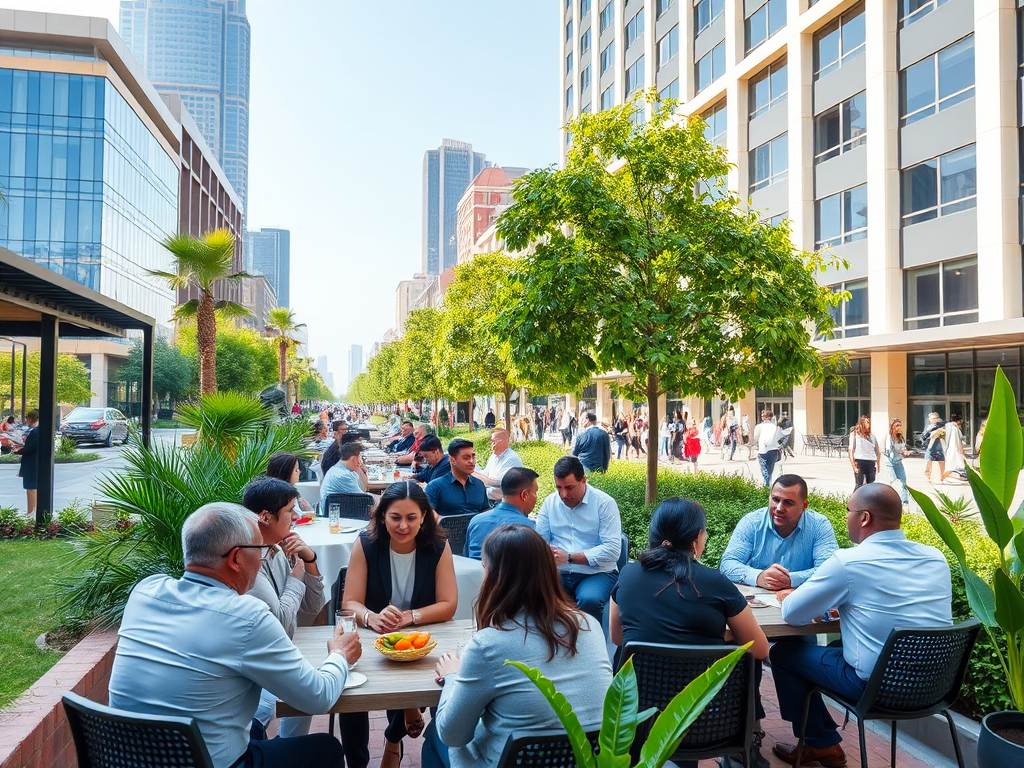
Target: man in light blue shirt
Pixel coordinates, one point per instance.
(583, 527)
(200, 647)
(883, 582)
(347, 476)
(779, 546)
(519, 497)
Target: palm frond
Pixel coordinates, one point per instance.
(231, 309)
(186, 310)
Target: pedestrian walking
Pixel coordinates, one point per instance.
(767, 435)
(933, 452)
(663, 437)
(865, 455)
(691, 447)
(892, 459)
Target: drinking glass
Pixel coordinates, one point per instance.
(335, 518)
(347, 621)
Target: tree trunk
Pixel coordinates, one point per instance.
(282, 357)
(654, 420)
(206, 340)
(508, 407)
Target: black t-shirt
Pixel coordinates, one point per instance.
(654, 609)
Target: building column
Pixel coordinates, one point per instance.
(48, 338)
(808, 412)
(98, 379)
(603, 408)
(885, 275)
(147, 384)
(799, 101)
(888, 390)
(995, 95)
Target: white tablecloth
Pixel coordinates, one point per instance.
(333, 551)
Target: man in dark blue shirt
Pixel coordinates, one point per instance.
(437, 464)
(458, 492)
(519, 498)
(403, 441)
(593, 446)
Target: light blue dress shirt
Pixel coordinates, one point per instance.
(339, 479)
(482, 524)
(196, 648)
(592, 527)
(882, 583)
(756, 545)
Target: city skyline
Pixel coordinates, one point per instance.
(447, 171)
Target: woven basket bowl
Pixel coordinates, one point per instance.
(413, 654)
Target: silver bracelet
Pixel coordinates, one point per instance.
(366, 619)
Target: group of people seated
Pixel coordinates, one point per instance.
(216, 644)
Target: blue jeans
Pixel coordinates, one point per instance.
(621, 441)
(590, 590)
(767, 462)
(897, 472)
(434, 753)
(664, 445)
(319, 749)
(798, 666)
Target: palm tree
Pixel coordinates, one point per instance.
(281, 325)
(200, 262)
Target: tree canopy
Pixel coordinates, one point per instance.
(173, 371)
(246, 362)
(74, 385)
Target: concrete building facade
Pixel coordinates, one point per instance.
(485, 199)
(447, 172)
(406, 294)
(888, 131)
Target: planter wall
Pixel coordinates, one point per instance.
(33, 729)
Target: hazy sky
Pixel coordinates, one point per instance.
(345, 99)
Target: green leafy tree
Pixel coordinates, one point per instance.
(641, 261)
(360, 390)
(418, 365)
(172, 370)
(74, 384)
(384, 386)
(199, 262)
(246, 361)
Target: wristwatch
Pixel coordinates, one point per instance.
(416, 616)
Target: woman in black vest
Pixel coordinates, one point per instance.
(401, 573)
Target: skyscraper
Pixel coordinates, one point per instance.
(355, 362)
(447, 172)
(268, 252)
(199, 50)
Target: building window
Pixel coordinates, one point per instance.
(568, 30)
(846, 401)
(941, 294)
(568, 63)
(584, 8)
(584, 42)
(710, 67)
(940, 186)
(607, 16)
(660, 6)
(607, 57)
(585, 78)
(838, 42)
(585, 108)
(635, 76)
(841, 218)
(937, 82)
(769, 162)
(851, 316)
(705, 12)
(715, 124)
(668, 46)
(778, 218)
(568, 99)
(635, 28)
(765, 22)
(913, 10)
(608, 97)
(840, 128)
(670, 91)
(768, 88)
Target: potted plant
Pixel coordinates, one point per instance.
(618, 726)
(997, 601)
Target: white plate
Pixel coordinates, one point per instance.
(355, 679)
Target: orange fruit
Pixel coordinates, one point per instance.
(403, 645)
(421, 640)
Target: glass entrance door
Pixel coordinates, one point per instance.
(963, 407)
(777, 406)
(919, 410)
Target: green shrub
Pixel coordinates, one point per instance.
(12, 522)
(66, 447)
(74, 519)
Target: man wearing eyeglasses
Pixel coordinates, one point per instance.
(200, 647)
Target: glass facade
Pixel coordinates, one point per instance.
(91, 191)
(447, 171)
(849, 398)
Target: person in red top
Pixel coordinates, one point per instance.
(296, 409)
(691, 446)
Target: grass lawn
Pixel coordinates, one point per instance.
(27, 571)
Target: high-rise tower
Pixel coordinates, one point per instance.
(447, 172)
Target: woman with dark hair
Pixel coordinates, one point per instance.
(401, 573)
(865, 455)
(670, 597)
(285, 466)
(522, 614)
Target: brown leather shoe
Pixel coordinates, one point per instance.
(828, 757)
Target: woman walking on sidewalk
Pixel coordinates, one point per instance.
(892, 459)
(691, 447)
(865, 456)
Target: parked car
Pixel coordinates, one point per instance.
(95, 425)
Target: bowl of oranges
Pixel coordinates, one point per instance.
(401, 646)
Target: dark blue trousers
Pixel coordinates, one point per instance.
(590, 590)
(319, 749)
(797, 667)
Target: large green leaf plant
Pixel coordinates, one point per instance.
(996, 600)
(621, 717)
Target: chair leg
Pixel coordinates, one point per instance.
(956, 739)
(803, 729)
(330, 723)
(892, 747)
(863, 743)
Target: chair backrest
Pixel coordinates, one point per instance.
(355, 506)
(727, 723)
(543, 749)
(338, 589)
(456, 527)
(920, 670)
(623, 553)
(112, 738)
(364, 434)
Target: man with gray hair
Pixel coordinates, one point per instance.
(200, 647)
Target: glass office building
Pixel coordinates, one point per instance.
(91, 191)
(447, 171)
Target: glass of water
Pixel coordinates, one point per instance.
(347, 621)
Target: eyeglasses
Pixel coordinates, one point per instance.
(263, 548)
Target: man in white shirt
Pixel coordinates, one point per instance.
(766, 438)
(883, 582)
(502, 459)
(200, 647)
(583, 527)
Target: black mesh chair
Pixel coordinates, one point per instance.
(354, 506)
(543, 749)
(364, 434)
(918, 674)
(112, 738)
(456, 527)
(725, 727)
